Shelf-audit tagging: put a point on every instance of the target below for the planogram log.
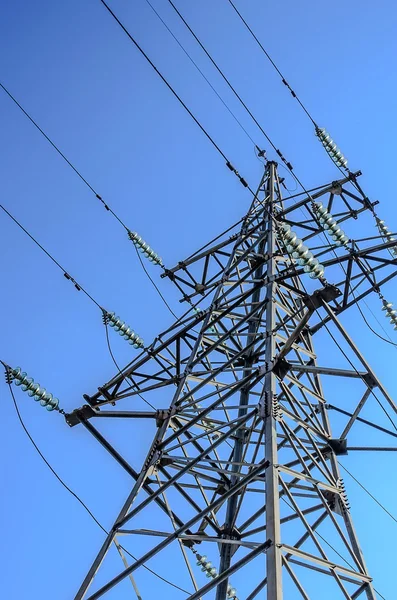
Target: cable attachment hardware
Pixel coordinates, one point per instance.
(331, 148)
(124, 330)
(329, 224)
(38, 393)
(70, 278)
(390, 313)
(233, 170)
(387, 235)
(343, 495)
(145, 248)
(210, 571)
(299, 251)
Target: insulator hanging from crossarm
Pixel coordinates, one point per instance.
(387, 235)
(145, 248)
(211, 572)
(124, 330)
(390, 312)
(329, 224)
(38, 393)
(331, 147)
(299, 251)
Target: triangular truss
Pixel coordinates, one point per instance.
(243, 466)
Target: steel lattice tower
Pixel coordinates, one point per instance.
(243, 466)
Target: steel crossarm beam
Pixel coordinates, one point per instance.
(326, 564)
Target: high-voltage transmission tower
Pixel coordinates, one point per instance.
(241, 494)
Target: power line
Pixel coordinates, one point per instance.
(249, 112)
(279, 153)
(255, 120)
(283, 79)
(67, 488)
(335, 340)
(285, 82)
(172, 90)
(106, 206)
(272, 144)
(369, 494)
(388, 341)
(71, 165)
(154, 284)
(332, 547)
(297, 180)
(358, 373)
(201, 73)
(78, 286)
(120, 371)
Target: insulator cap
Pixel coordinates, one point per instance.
(145, 248)
(300, 252)
(33, 389)
(330, 225)
(331, 147)
(390, 312)
(387, 235)
(124, 330)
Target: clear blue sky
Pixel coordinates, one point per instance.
(72, 68)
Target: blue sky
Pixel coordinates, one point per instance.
(72, 68)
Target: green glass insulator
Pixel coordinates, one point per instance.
(311, 265)
(46, 400)
(34, 389)
(386, 305)
(27, 383)
(21, 378)
(318, 272)
(291, 238)
(305, 260)
(111, 317)
(213, 572)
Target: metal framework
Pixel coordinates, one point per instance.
(243, 466)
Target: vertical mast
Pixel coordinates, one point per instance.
(273, 556)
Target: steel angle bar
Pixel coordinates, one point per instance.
(243, 382)
(283, 520)
(361, 420)
(314, 482)
(314, 455)
(295, 579)
(233, 490)
(303, 424)
(322, 570)
(125, 562)
(325, 370)
(372, 449)
(361, 358)
(232, 569)
(331, 565)
(175, 478)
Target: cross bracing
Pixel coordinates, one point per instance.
(243, 466)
